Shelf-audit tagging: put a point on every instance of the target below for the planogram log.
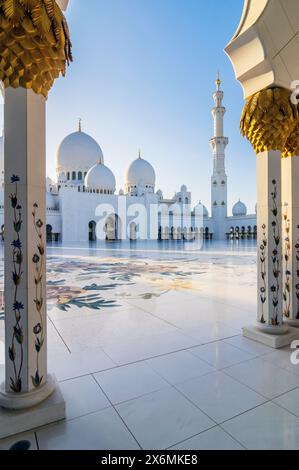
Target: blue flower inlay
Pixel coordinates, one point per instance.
(17, 244)
(18, 306)
(15, 179)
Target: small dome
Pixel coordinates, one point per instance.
(100, 177)
(183, 188)
(50, 201)
(205, 211)
(78, 152)
(140, 171)
(239, 209)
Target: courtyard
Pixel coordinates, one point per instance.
(145, 341)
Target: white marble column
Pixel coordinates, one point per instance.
(27, 382)
(270, 327)
(290, 209)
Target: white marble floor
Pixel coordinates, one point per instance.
(149, 354)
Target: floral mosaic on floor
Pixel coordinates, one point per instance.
(101, 282)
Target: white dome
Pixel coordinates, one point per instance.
(239, 209)
(140, 171)
(78, 152)
(100, 177)
(205, 211)
(50, 201)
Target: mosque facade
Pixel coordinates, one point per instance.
(83, 205)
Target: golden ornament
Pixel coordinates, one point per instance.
(269, 118)
(35, 44)
(291, 147)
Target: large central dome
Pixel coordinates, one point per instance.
(78, 152)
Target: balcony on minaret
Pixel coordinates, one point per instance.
(218, 97)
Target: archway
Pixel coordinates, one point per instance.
(160, 233)
(49, 231)
(92, 231)
(112, 227)
(232, 233)
(133, 231)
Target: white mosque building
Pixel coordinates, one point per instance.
(83, 205)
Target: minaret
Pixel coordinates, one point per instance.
(219, 178)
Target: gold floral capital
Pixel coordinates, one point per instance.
(291, 148)
(271, 122)
(35, 45)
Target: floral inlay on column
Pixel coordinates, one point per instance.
(15, 350)
(288, 272)
(38, 261)
(297, 276)
(263, 289)
(275, 257)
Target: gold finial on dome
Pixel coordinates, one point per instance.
(80, 125)
(218, 81)
(139, 154)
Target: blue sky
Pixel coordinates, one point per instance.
(143, 76)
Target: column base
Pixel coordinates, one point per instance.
(269, 338)
(18, 419)
(272, 330)
(292, 322)
(21, 401)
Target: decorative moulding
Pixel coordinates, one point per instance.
(263, 51)
(63, 4)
